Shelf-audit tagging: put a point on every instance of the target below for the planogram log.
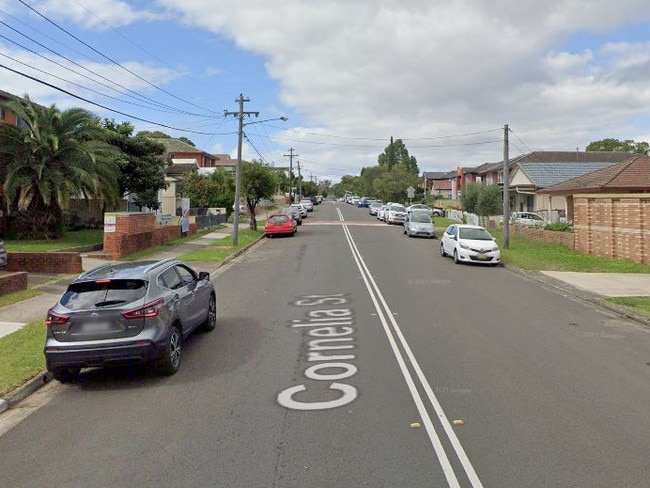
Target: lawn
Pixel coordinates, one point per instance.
(70, 239)
(21, 356)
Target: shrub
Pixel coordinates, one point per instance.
(560, 227)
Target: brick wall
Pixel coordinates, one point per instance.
(613, 226)
(44, 262)
(12, 282)
(565, 238)
(133, 232)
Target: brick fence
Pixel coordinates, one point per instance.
(565, 238)
(615, 226)
(44, 262)
(131, 232)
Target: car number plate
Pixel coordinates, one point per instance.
(95, 327)
(482, 257)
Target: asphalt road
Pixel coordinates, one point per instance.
(349, 356)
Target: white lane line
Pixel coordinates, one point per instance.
(375, 295)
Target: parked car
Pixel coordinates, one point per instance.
(418, 224)
(470, 244)
(308, 204)
(431, 211)
(528, 219)
(280, 224)
(139, 311)
(374, 207)
(395, 214)
(3, 254)
(381, 213)
(301, 208)
(295, 213)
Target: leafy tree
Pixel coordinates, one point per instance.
(309, 189)
(140, 160)
(214, 190)
(391, 186)
(469, 197)
(258, 181)
(397, 154)
(187, 141)
(156, 134)
(611, 144)
(490, 200)
(50, 158)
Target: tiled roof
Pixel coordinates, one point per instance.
(629, 176)
(438, 175)
(176, 145)
(180, 169)
(547, 174)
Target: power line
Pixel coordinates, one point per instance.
(108, 108)
(141, 97)
(110, 59)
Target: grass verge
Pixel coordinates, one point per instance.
(21, 356)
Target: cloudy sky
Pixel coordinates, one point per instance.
(443, 76)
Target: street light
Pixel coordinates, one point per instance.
(235, 226)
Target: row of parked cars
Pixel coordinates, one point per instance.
(287, 220)
(464, 243)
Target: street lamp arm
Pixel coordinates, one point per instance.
(283, 119)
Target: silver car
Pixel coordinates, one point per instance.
(128, 312)
(418, 224)
(395, 214)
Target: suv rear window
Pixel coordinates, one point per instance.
(102, 293)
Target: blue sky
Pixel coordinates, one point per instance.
(443, 76)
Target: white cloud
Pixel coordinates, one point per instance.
(100, 14)
(419, 70)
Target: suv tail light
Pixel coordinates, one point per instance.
(146, 311)
(55, 318)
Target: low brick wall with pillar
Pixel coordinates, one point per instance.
(128, 232)
(44, 262)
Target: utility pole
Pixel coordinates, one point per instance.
(240, 115)
(506, 190)
(299, 180)
(290, 156)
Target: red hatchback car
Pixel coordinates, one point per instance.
(280, 224)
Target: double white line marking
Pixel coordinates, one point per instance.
(395, 336)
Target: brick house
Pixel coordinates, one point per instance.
(610, 209)
(531, 172)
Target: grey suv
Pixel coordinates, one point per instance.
(128, 312)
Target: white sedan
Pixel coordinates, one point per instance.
(469, 244)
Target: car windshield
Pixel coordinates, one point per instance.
(476, 234)
(278, 219)
(102, 293)
(420, 217)
(397, 208)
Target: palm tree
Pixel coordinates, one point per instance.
(50, 157)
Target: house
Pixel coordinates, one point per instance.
(610, 209)
(531, 172)
(438, 183)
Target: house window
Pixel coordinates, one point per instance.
(500, 177)
(2, 113)
(20, 123)
(488, 179)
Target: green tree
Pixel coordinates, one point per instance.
(611, 144)
(50, 158)
(140, 160)
(258, 182)
(187, 141)
(214, 190)
(391, 186)
(469, 197)
(490, 200)
(396, 154)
